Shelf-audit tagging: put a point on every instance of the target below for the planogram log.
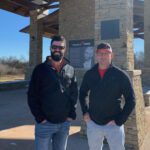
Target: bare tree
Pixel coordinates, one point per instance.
(12, 65)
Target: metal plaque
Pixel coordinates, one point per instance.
(110, 29)
(81, 53)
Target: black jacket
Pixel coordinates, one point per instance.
(52, 95)
(105, 95)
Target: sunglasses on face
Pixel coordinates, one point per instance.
(103, 53)
(55, 47)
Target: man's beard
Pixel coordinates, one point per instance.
(56, 57)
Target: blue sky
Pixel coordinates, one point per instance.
(16, 44)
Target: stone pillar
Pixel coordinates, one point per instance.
(76, 22)
(146, 69)
(114, 24)
(135, 127)
(76, 19)
(35, 49)
(114, 20)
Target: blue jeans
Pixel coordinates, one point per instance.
(114, 134)
(49, 135)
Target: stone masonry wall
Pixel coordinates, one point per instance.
(76, 19)
(76, 22)
(35, 50)
(123, 46)
(135, 125)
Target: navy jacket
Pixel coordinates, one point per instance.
(52, 95)
(105, 95)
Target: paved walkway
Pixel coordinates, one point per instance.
(17, 125)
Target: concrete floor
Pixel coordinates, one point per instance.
(17, 125)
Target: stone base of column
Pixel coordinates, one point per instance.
(135, 128)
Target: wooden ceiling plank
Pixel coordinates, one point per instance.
(51, 30)
(24, 3)
(52, 1)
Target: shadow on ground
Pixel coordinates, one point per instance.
(17, 124)
(14, 110)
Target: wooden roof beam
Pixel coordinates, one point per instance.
(52, 6)
(14, 8)
(48, 24)
(51, 1)
(24, 3)
(51, 17)
(140, 30)
(51, 30)
(139, 36)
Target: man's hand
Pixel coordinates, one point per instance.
(86, 117)
(111, 123)
(44, 121)
(69, 119)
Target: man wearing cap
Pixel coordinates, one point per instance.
(52, 97)
(104, 85)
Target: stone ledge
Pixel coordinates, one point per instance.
(134, 72)
(14, 85)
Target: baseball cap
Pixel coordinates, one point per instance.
(104, 46)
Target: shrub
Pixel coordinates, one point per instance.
(12, 66)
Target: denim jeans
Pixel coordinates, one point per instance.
(49, 135)
(114, 134)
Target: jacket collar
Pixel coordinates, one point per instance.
(96, 66)
(48, 62)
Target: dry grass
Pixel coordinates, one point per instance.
(6, 78)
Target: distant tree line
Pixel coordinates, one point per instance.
(12, 65)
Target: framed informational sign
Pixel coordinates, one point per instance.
(81, 53)
(110, 29)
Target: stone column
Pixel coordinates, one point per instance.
(135, 127)
(76, 22)
(114, 24)
(76, 19)
(146, 69)
(35, 49)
